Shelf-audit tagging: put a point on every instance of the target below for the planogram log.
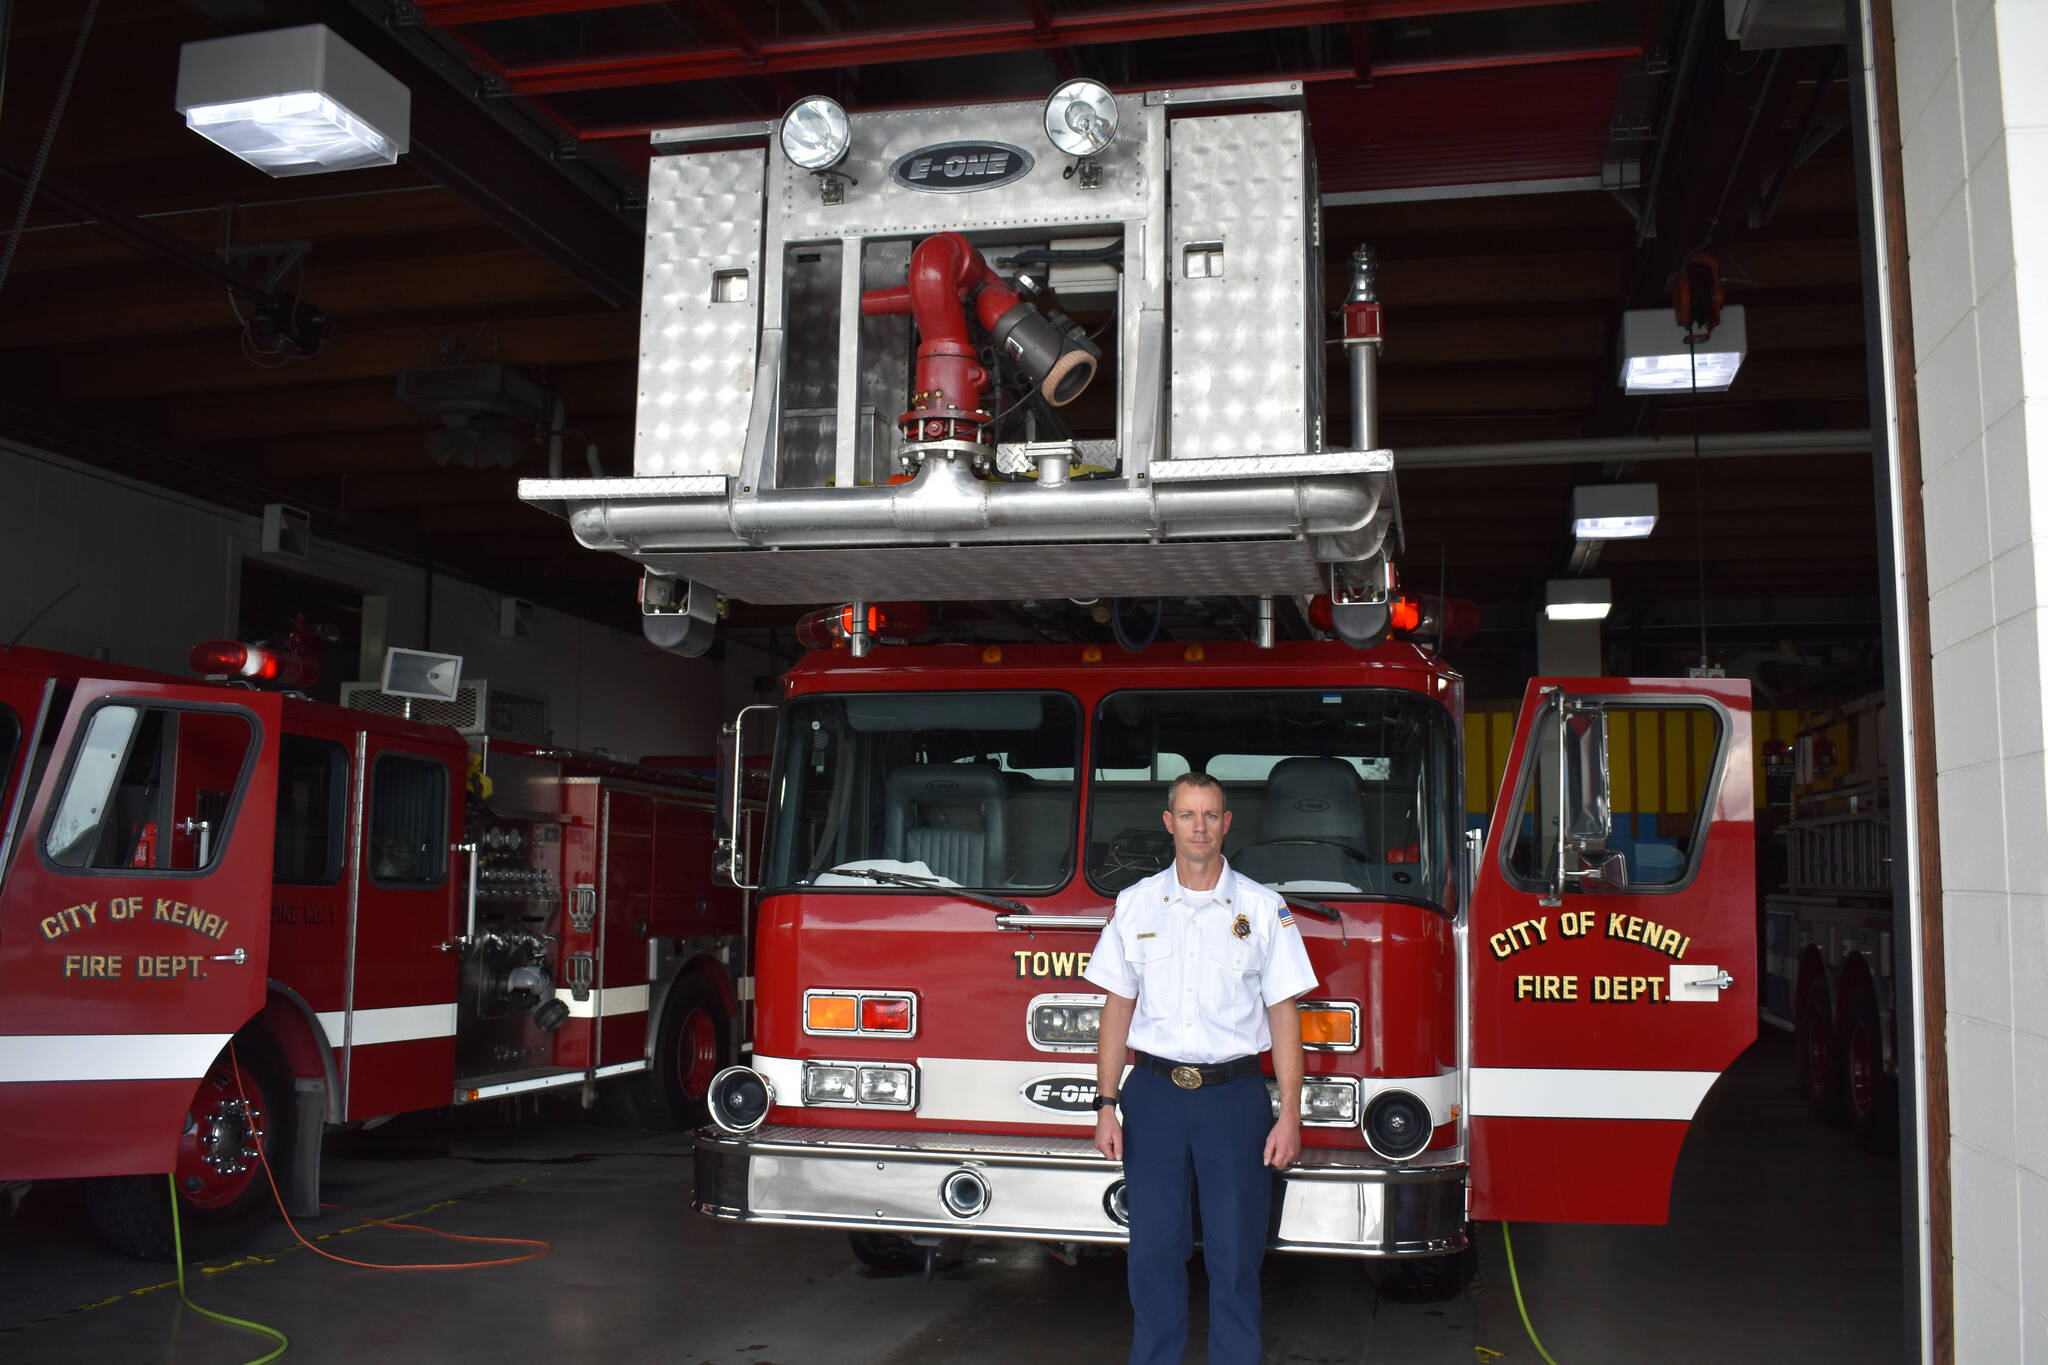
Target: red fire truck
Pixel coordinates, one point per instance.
(1036, 366)
(231, 916)
(1518, 1025)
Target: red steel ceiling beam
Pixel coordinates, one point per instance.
(821, 51)
(593, 132)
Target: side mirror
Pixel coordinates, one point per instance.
(1584, 816)
(1610, 872)
(1582, 760)
(729, 823)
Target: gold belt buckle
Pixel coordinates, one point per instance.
(1187, 1077)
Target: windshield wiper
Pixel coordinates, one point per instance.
(1320, 911)
(1008, 907)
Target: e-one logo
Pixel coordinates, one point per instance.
(950, 167)
(1061, 1094)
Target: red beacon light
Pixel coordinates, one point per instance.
(832, 627)
(253, 663)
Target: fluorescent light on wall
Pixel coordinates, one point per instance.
(1655, 358)
(293, 101)
(1614, 511)
(1577, 599)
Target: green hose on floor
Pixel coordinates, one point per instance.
(1508, 1240)
(178, 1243)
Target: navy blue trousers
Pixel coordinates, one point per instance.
(1214, 1137)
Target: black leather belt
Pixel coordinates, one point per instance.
(1189, 1076)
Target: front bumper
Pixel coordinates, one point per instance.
(1055, 1189)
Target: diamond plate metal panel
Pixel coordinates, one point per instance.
(1002, 572)
(700, 315)
(1241, 230)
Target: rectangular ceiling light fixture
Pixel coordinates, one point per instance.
(1614, 511)
(1655, 358)
(1577, 599)
(293, 101)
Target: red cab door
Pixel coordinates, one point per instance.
(134, 922)
(1612, 944)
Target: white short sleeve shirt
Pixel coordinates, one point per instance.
(1204, 966)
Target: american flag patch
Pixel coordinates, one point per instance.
(1287, 920)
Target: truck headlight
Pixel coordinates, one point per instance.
(815, 133)
(831, 1084)
(1080, 117)
(1326, 1101)
(1066, 1023)
(854, 1084)
(887, 1085)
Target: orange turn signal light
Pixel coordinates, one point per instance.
(1328, 1027)
(992, 654)
(1194, 654)
(1091, 654)
(836, 1013)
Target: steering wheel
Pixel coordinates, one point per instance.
(1345, 849)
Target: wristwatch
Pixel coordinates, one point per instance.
(1103, 1102)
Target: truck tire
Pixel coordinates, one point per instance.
(1870, 1093)
(1429, 1279)
(1817, 1060)
(885, 1252)
(224, 1199)
(694, 1044)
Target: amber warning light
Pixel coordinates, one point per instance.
(234, 660)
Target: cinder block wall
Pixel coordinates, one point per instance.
(1973, 110)
(152, 573)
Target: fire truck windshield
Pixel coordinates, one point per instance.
(1333, 791)
(966, 789)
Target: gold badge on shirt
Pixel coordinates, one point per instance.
(1241, 926)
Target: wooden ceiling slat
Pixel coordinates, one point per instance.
(510, 278)
(158, 371)
(321, 220)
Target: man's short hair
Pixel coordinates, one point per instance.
(1196, 780)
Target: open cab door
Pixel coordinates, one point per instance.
(134, 919)
(1612, 944)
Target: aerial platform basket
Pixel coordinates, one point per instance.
(781, 454)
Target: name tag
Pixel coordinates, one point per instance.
(1150, 935)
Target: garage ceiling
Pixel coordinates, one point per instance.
(511, 233)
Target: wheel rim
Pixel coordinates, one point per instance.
(1862, 1072)
(1816, 1061)
(699, 1053)
(217, 1153)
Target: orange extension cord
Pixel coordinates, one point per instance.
(544, 1248)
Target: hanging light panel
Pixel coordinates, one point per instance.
(1614, 511)
(1577, 599)
(293, 101)
(1656, 359)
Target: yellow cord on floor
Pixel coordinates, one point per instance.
(1507, 1240)
(178, 1243)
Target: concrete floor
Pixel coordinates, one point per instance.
(1784, 1246)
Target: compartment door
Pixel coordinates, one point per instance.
(1612, 944)
(142, 876)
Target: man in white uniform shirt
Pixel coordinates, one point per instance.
(1202, 968)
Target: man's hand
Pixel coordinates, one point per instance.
(1109, 1135)
(1283, 1144)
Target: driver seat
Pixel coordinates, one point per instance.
(1310, 798)
(948, 816)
